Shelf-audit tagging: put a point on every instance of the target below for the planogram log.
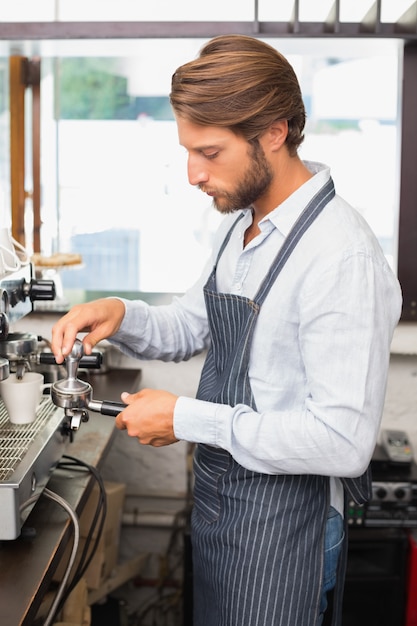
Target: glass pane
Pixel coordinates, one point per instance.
(272, 11)
(123, 196)
(354, 10)
(27, 11)
(156, 10)
(126, 10)
(352, 123)
(392, 11)
(122, 199)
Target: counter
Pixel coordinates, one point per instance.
(28, 563)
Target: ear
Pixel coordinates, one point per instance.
(277, 134)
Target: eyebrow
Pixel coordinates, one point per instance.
(209, 146)
(212, 146)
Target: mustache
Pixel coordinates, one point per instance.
(211, 192)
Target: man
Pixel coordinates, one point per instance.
(296, 308)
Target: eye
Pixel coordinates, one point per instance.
(210, 155)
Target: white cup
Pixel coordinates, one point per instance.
(21, 397)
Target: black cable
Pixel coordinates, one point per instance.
(100, 513)
(97, 522)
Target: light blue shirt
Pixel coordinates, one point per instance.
(320, 352)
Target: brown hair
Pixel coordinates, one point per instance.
(241, 83)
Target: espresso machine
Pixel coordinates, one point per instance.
(28, 452)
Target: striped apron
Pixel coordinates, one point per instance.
(257, 539)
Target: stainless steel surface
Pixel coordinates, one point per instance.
(71, 393)
(106, 407)
(28, 455)
(75, 395)
(4, 369)
(18, 290)
(14, 303)
(19, 349)
(18, 346)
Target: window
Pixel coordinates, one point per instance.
(114, 178)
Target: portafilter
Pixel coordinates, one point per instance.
(75, 396)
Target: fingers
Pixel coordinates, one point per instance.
(99, 319)
(121, 419)
(64, 334)
(149, 417)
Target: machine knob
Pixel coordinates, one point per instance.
(400, 493)
(381, 493)
(41, 289)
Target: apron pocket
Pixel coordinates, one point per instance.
(210, 464)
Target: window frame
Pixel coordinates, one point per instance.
(407, 228)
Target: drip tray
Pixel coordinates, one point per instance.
(28, 455)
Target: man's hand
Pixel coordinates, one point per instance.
(149, 416)
(99, 319)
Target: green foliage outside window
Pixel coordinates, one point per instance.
(92, 89)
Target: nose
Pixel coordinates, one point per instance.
(197, 173)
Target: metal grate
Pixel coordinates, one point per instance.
(15, 439)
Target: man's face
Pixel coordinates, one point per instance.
(233, 172)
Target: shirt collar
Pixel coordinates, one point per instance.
(284, 216)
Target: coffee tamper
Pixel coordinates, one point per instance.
(75, 396)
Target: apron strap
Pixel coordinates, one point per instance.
(307, 217)
(226, 239)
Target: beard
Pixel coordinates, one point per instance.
(255, 182)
